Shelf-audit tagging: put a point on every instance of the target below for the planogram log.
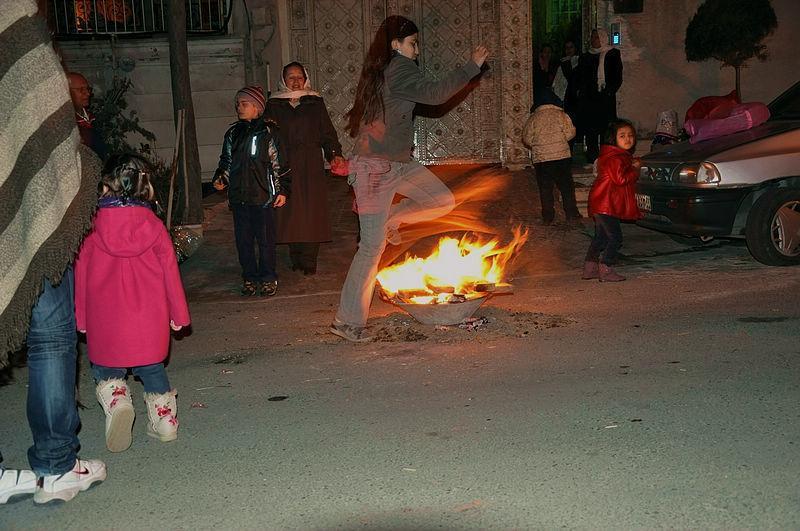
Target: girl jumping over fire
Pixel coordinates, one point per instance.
(380, 120)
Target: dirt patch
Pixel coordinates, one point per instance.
(488, 323)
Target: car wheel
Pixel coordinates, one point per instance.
(692, 241)
(773, 227)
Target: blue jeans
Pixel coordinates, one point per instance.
(606, 241)
(253, 226)
(52, 356)
(153, 377)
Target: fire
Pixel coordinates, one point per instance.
(455, 271)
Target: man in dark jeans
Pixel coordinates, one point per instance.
(52, 179)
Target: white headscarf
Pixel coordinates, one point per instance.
(285, 93)
(604, 48)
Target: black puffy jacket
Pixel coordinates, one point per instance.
(254, 163)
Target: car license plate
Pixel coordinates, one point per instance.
(643, 202)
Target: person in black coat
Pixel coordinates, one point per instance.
(566, 83)
(544, 70)
(600, 72)
(307, 134)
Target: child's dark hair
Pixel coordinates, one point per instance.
(127, 175)
(610, 135)
(368, 105)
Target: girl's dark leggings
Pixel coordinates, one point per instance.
(606, 241)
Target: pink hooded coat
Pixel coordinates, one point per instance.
(128, 288)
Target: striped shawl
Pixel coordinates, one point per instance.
(48, 180)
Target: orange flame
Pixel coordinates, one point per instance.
(473, 188)
(461, 267)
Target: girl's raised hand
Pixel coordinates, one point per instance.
(174, 326)
(479, 55)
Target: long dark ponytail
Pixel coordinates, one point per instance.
(368, 105)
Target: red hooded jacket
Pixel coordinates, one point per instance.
(614, 190)
(128, 288)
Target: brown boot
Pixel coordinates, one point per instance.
(591, 271)
(607, 274)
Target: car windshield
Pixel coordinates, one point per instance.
(787, 105)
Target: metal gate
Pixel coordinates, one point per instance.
(483, 125)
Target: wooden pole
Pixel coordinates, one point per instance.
(182, 99)
(185, 217)
(173, 170)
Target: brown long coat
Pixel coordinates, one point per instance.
(305, 132)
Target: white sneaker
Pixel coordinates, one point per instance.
(16, 483)
(64, 487)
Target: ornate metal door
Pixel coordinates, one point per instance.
(483, 124)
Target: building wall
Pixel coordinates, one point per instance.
(483, 125)
(219, 66)
(657, 76)
(216, 70)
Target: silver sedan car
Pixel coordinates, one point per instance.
(744, 185)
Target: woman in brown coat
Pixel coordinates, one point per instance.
(306, 133)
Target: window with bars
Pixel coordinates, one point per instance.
(75, 18)
(559, 11)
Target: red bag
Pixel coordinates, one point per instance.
(741, 118)
(712, 107)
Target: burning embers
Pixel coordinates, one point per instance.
(457, 271)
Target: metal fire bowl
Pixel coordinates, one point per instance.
(450, 313)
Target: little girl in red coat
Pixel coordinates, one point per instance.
(128, 294)
(612, 199)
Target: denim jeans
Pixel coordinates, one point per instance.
(253, 226)
(606, 241)
(52, 355)
(153, 377)
(426, 198)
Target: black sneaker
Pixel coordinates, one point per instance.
(248, 288)
(269, 288)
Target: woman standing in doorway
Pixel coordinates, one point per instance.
(600, 79)
(306, 133)
(380, 120)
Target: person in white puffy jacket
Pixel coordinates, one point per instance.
(547, 133)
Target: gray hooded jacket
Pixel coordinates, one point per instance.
(404, 86)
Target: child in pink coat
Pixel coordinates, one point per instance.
(128, 294)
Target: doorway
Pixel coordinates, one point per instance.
(556, 21)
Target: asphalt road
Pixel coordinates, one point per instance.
(666, 401)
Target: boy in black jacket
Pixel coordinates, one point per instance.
(257, 176)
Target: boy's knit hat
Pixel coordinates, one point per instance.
(255, 95)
